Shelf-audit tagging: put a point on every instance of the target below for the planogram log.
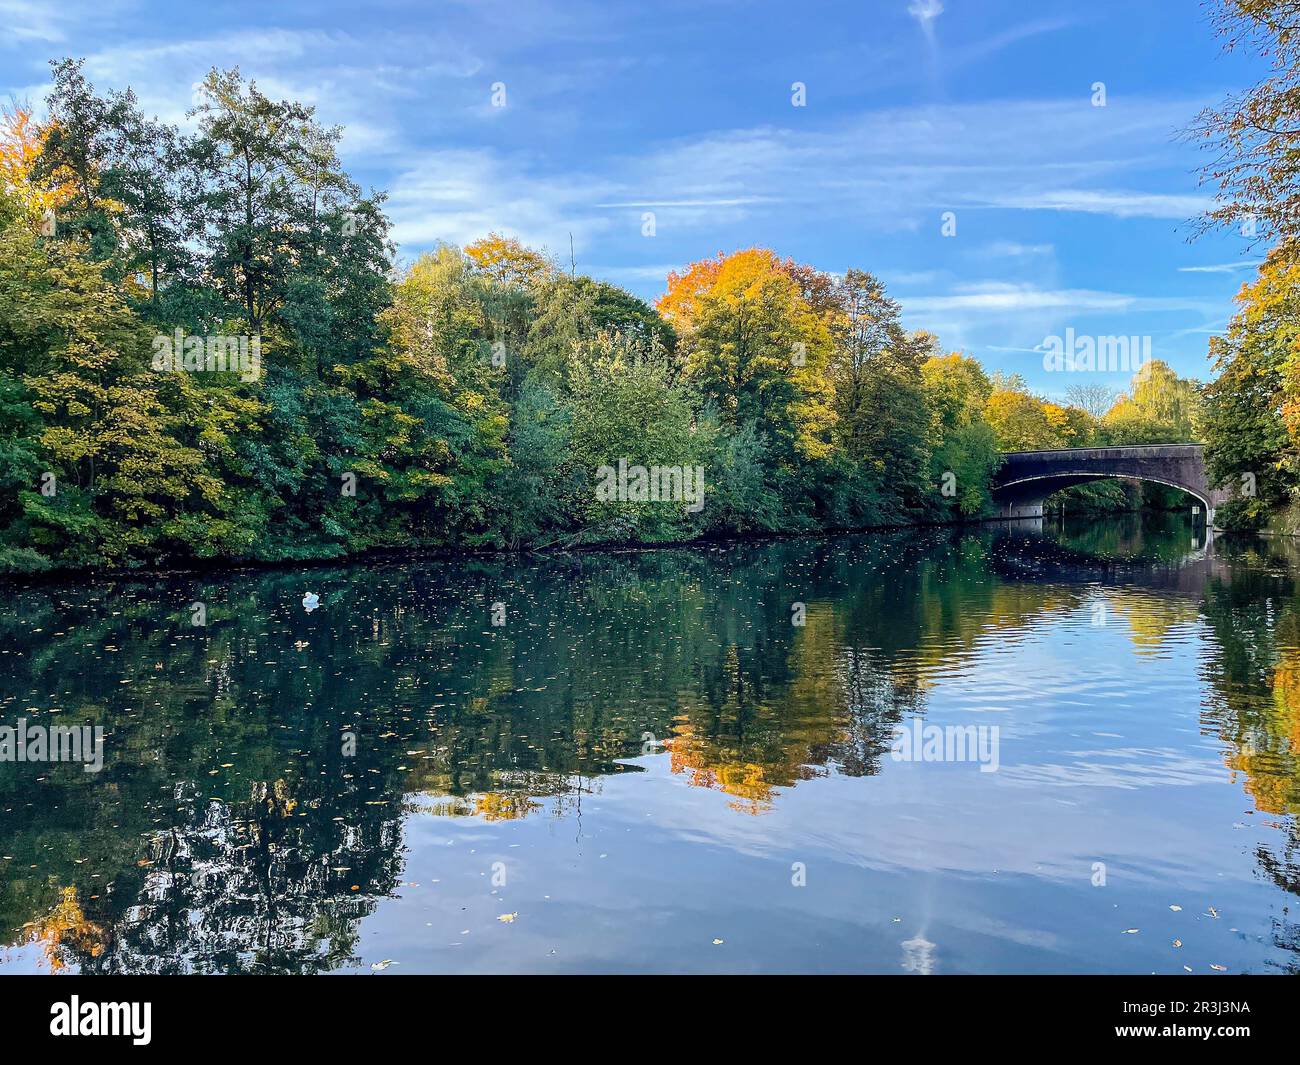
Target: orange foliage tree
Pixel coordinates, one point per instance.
(758, 343)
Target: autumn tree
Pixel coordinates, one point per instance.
(1019, 420)
(1159, 408)
(1254, 137)
(757, 348)
(1249, 418)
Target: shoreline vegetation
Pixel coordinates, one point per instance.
(210, 354)
(224, 566)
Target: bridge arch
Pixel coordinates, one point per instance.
(1027, 478)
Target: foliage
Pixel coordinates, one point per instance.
(1249, 416)
(470, 399)
(1254, 136)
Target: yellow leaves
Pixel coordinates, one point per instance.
(21, 141)
(1019, 420)
(504, 806)
(429, 479)
(755, 343)
(66, 925)
(506, 260)
(677, 304)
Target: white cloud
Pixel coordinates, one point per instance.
(354, 81)
(1120, 204)
(1006, 296)
(457, 196)
(1014, 317)
(925, 11)
(43, 20)
(1010, 249)
(1222, 268)
(737, 202)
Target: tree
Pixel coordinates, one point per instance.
(1159, 408)
(1249, 415)
(77, 141)
(507, 261)
(266, 178)
(963, 442)
(123, 172)
(1020, 421)
(1096, 399)
(1255, 137)
(21, 143)
(881, 418)
(627, 408)
(757, 349)
(432, 425)
(101, 424)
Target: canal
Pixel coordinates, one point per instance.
(715, 758)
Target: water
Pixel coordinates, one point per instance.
(650, 766)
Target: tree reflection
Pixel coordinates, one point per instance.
(259, 770)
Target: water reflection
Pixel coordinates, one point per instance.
(276, 779)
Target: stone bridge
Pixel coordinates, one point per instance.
(1026, 478)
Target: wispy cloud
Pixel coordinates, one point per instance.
(1010, 249)
(456, 196)
(47, 22)
(925, 11)
(1002, 296)
(1014, 318)
(1222, 268)
(1119, 203)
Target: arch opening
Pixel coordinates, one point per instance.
(1025, 497)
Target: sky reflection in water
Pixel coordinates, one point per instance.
(505, 809)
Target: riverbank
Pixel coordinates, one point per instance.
(221, 567)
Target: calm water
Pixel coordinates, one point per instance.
(650, 766)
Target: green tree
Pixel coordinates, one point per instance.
(882, 422)
(1246, 435)
(964, 443)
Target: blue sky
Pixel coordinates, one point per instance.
(1068, 215)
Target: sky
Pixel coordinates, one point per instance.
(1063, 214)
